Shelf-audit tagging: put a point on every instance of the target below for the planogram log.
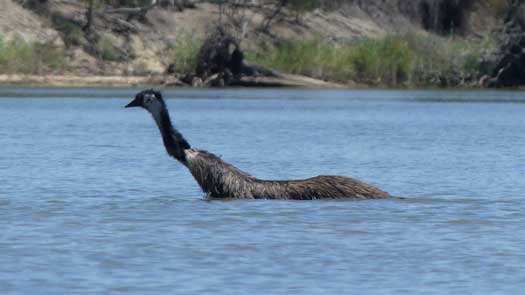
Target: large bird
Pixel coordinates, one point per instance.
(219, 179)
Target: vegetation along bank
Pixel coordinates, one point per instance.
(321, 43)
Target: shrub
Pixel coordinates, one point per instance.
(388, 60)
(72, 33)
(107, 50)
(19, 56)
(374, 61)
(184, 53)
(447, 61)
(394, 60)
(301, 7)
(500, 6)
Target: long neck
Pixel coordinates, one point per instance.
(173, 141)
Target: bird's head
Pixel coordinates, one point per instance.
(150, 100)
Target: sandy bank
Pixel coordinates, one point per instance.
(284, 80)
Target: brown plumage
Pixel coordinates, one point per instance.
(219, 179)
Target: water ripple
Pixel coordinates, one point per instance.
(91, 204)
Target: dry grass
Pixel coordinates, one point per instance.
(18, 56)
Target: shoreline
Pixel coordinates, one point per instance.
(74, 81)
(169, 81)
(77, 81)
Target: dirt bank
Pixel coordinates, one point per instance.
(122, 50)
(283, 80)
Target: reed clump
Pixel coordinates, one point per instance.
(398, 60)
(184, 52)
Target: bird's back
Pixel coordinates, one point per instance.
(221, 180)
(320, 187)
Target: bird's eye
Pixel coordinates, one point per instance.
(147, 99)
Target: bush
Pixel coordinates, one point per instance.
(72, 33)
(107, 50)
(184, 53)
(20, 57)
(500, 6)
(301, 7)
(447, 61)
(306, 57)
(394, 60)
(386, 61)
(383, 61)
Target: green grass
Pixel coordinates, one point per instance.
(306, 57)
(107, 50)
(397, 60)
(20, 57)
(386, 61)
(184, 53)
(71, 32)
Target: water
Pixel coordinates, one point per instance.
(91, 204)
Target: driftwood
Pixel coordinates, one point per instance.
(220, 63)
(214, 55)
(220, 59)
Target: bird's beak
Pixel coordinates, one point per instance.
(134, 103)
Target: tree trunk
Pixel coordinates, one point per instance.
(89, 16)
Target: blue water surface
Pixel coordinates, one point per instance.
(90, 203)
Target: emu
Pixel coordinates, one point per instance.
(220, 180)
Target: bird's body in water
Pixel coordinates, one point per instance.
(219, 179)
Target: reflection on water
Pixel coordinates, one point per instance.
(91, 203)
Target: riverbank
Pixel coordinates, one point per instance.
(18, 80)
(355, 45)
(281, 80)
